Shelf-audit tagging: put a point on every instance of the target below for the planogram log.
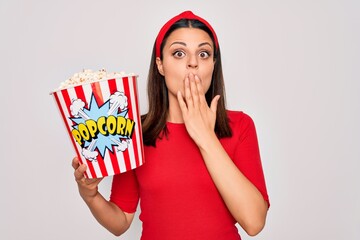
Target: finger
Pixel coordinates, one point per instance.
(200, 90)
(181, 102)
(75, 163)
(188, 97)
(214, 103)
(98, 180)
(93, 181)
(79, 172)
(194, 90)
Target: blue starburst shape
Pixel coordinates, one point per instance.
(94, 112)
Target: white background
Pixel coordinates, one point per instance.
(293, 66)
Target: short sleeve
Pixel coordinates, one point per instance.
(247, 153)
(125, 191)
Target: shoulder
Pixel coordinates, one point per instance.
(241, 123)
(239, 117)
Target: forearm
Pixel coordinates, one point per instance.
(242, 198)
(109, 215)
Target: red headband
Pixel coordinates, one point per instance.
(184, 15)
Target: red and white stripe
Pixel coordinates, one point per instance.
(113, 162)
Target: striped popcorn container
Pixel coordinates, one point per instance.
(103, 121)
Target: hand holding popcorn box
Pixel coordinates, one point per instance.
(101, 114)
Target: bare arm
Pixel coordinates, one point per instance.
(105, 212)
(241, 197)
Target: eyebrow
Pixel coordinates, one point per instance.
(204, 43)
(181, 43)
(184, 44)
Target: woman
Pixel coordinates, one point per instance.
(203, 170)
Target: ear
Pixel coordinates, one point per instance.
(159, 66)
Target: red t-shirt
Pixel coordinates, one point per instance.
(178, 198)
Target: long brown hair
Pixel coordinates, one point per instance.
(154, 122)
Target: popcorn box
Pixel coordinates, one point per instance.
(103, 121)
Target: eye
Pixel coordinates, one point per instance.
(178, 54)
(204, 54)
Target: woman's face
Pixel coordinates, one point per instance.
(187, 50)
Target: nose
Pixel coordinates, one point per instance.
(192, 62)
